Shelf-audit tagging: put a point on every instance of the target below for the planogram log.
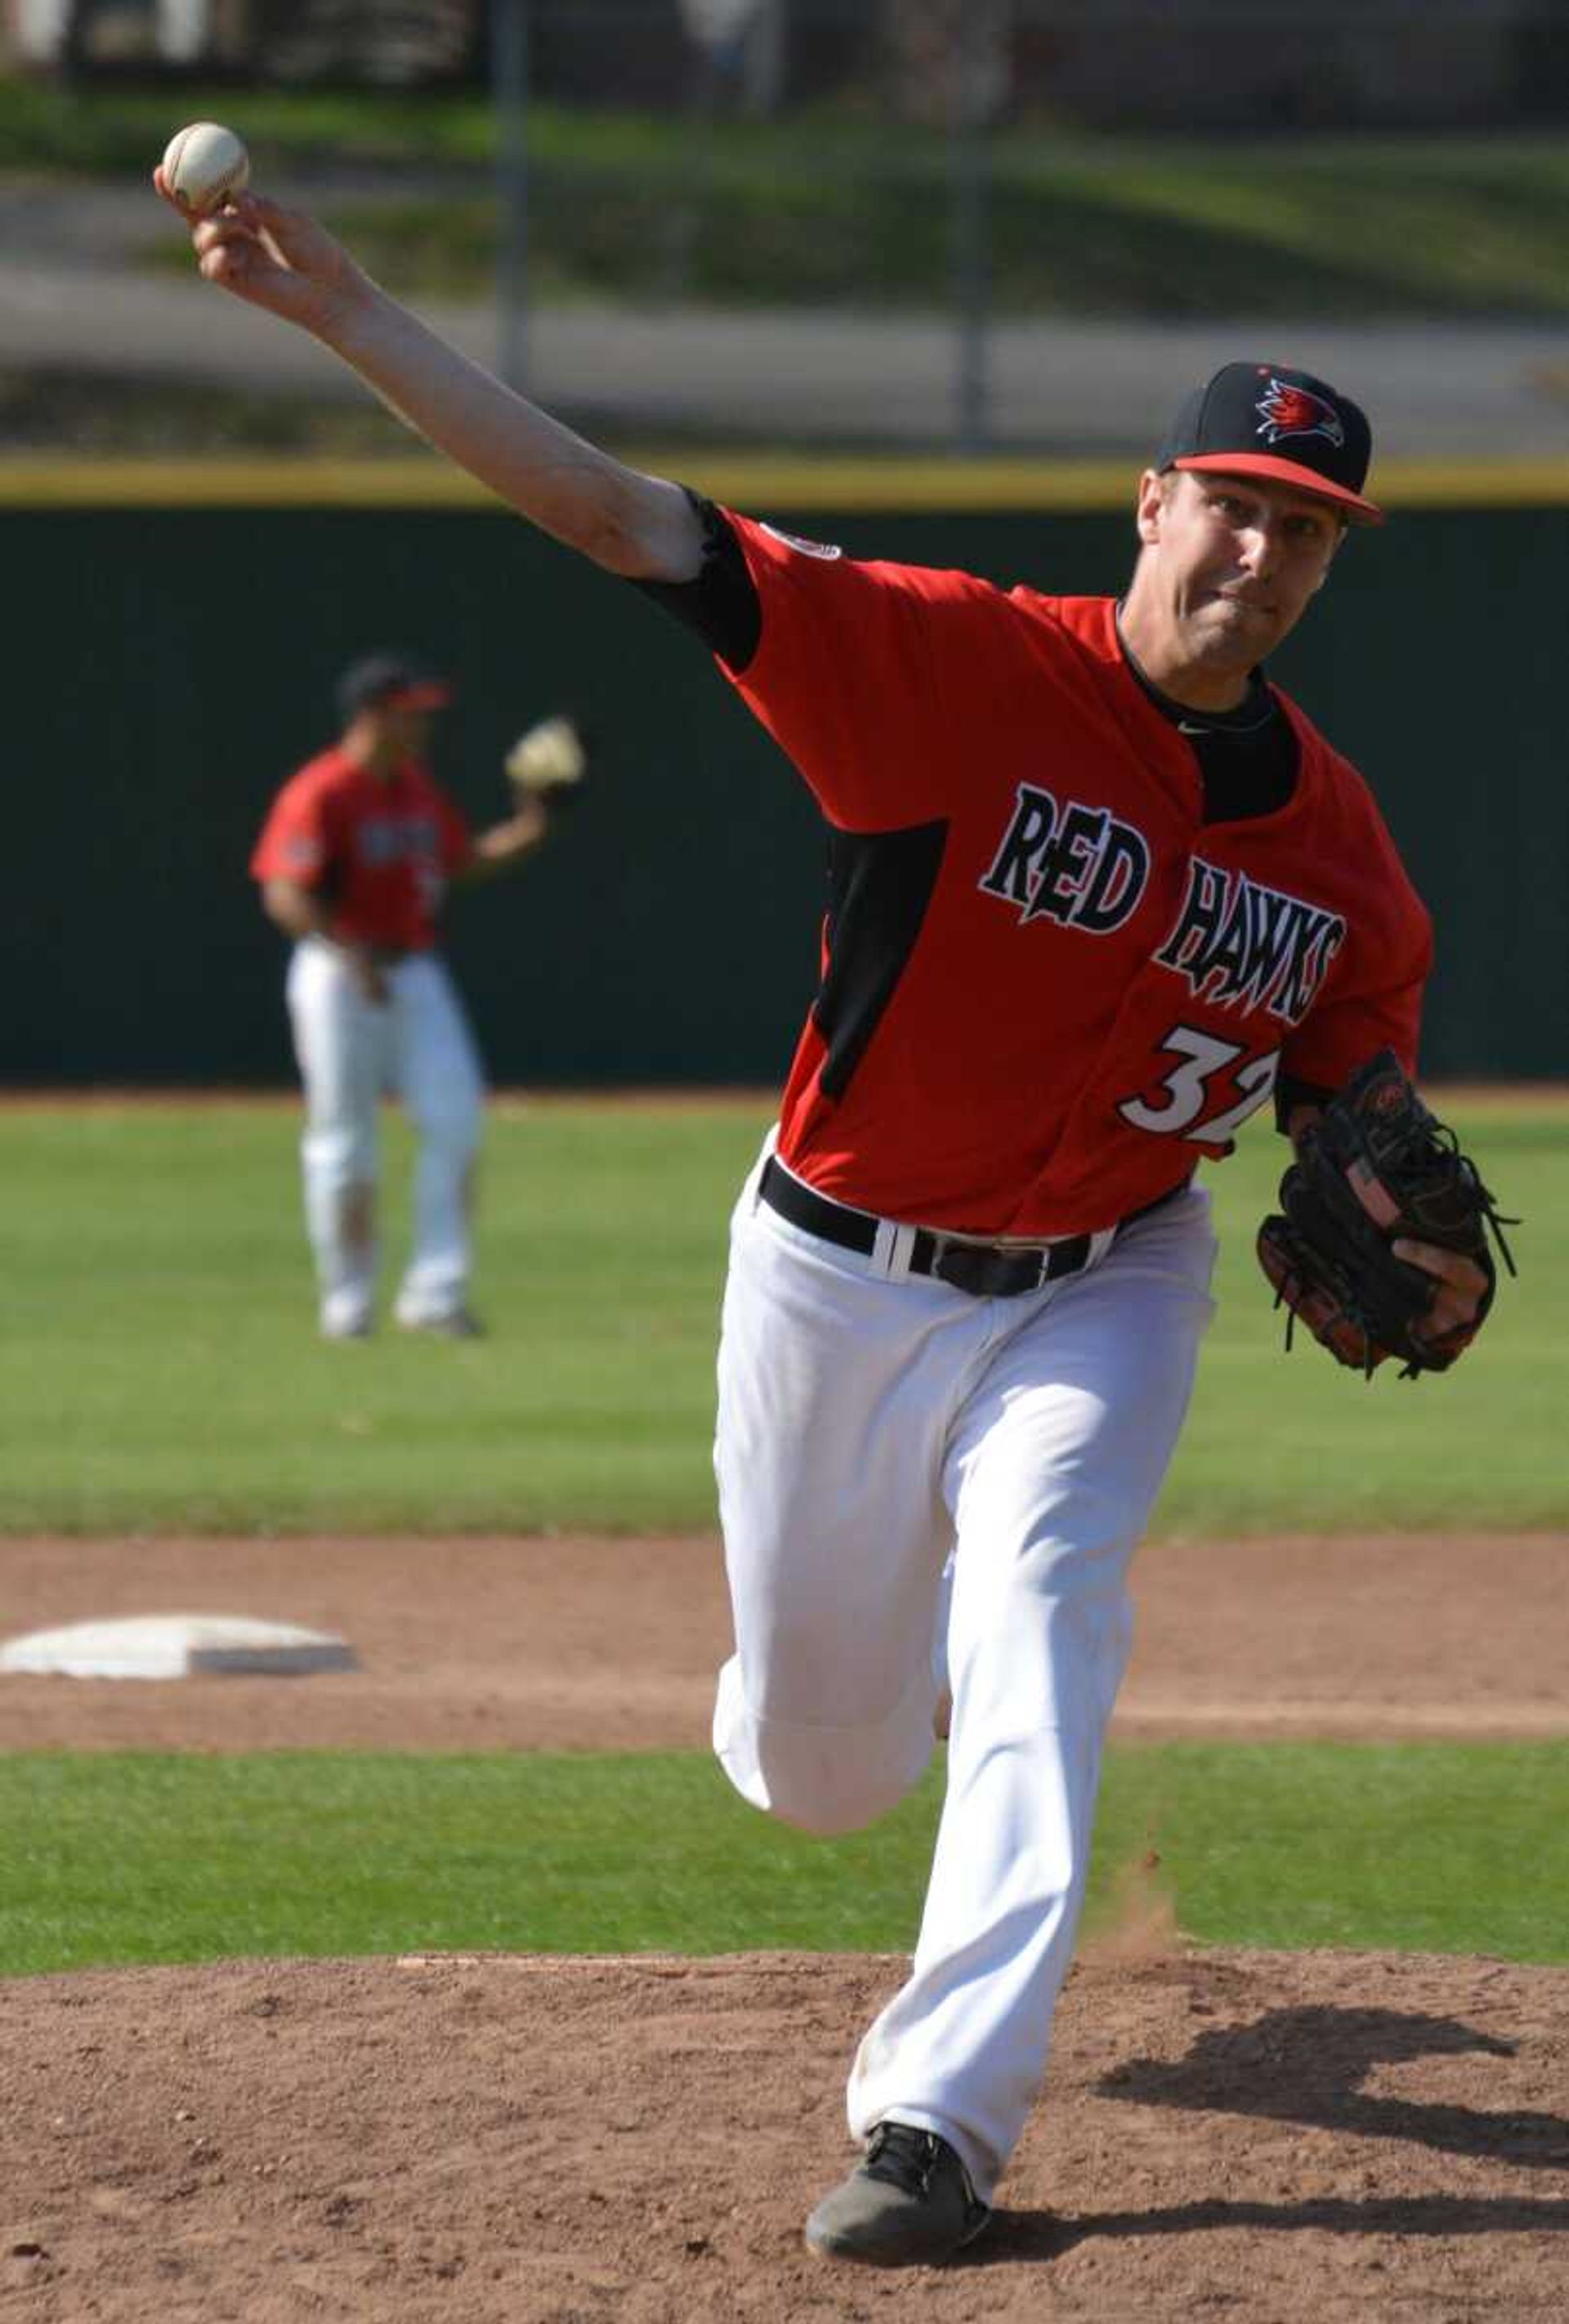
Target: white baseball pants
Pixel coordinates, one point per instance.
(868, 1426)
(352, 1053)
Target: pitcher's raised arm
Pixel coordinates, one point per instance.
(282, 260)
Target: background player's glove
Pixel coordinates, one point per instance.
(550, 761)
(1375, 1168)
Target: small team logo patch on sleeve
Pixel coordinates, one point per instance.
(822, 548)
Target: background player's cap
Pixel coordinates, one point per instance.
(387, 681)
(1265, 420)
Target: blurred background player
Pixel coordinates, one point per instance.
(356, 854)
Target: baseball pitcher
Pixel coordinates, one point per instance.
(1098, 892)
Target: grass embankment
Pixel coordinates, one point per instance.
(161, 1371)
(828, 208)
(1432, 1848)
(1340, 230)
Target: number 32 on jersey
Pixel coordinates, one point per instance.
(1185, 1092)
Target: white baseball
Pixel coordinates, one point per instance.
(205, 163)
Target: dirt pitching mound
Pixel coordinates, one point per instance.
(1262, 2136)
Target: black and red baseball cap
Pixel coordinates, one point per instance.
(387, 681)
(1267, 419)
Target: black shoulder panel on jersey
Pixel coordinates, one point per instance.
(722, 604)
(879, 883)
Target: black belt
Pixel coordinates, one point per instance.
(987, 1270)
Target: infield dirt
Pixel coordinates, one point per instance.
(1266, 2138)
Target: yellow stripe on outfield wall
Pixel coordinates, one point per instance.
(745, 480)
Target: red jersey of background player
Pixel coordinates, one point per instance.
(1049, 984)
(380, 851)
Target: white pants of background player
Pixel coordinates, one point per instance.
(417, 1047)
(868, 1426)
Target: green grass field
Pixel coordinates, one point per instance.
(1433, 1848)
(161, 1371)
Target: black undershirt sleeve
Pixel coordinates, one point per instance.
(722, 604)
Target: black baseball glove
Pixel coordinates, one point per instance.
(550, 761)
(1374, 1169)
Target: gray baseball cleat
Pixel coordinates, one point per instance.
(907, 2203)
(455, 1324)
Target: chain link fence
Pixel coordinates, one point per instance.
(983, 225)
(898, 204)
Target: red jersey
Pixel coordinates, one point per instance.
(1067, 987)
(380, 850)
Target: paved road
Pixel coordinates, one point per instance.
(72, 294)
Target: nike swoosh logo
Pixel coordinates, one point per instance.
(1184, 728)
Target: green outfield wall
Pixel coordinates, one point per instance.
(169, 661)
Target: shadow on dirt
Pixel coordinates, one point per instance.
(1306, 2065)
(1036, 2236)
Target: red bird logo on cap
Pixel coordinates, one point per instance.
(1286, 410)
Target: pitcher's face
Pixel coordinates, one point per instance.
(1234, 559)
